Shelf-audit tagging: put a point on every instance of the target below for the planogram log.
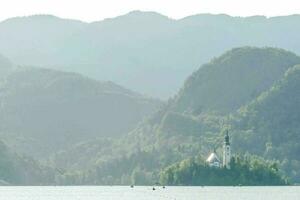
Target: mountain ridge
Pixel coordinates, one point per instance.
(137, 12)
(132, 48)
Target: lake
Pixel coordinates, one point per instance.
(147, 193)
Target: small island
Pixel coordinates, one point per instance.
(247, 170)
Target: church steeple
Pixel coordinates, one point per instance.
(226, 139)
(226, 151)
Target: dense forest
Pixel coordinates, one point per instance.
(66, 113)
(181, 130)
(271, 122)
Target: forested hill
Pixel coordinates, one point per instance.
(132, 49)
(273, 118)
(213, 99)
(257, 123)
(43, 110)
(259, 90)
(232, 80)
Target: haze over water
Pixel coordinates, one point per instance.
(146, 193)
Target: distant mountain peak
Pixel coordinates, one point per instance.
(38, 17)
(149, 13)
(44, 16)
(245, 51)
(137, 14)
(213, 88)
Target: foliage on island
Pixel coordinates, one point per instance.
(246, 170)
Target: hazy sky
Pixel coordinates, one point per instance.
(92, 10)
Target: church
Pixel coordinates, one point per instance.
(213, 159)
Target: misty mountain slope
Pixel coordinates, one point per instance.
(39, 35)
(269, 125)
(5, 66)
(20, 170)
(127, 50)
(233, 79)
(134, 48)
(45, 110)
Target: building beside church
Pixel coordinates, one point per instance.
(213, 159)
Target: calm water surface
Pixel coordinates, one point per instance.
(146, 193)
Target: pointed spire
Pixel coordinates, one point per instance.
(226, 139)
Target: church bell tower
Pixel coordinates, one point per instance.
(226, 151)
